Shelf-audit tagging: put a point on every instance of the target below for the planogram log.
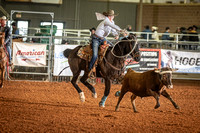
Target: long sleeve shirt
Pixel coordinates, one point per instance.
(106, 27)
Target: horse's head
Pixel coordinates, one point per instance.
(128, 46)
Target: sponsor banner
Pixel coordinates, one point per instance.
(185, 62)
(33, 55)
(150, 59)
(61, 62)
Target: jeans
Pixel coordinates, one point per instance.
(9, 52)
(96, 42)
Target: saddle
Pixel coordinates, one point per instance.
(85, 52)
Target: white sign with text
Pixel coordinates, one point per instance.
(26, 54)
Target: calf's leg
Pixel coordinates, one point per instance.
(165, 94)
(155, 95)
(133, 97)
(123, 92)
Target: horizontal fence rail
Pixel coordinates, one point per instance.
(82, 37)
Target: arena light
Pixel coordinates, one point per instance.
(18, 15)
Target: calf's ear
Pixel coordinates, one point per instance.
(129, 70)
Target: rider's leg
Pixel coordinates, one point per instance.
(95, 46)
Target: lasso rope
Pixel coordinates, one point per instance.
(126, 54)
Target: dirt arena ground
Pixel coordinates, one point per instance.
(55, 107)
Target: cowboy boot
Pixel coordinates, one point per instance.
(92, 72)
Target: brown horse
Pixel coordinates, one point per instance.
(110, 68)
(3, 59)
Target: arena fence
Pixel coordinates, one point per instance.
(82, 37)
(33, 73)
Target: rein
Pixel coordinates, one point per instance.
(119, 69)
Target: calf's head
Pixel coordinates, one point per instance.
(166, 76)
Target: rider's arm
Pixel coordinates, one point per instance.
(114, 32)
(112, 25)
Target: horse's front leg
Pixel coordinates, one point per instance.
(106, 93)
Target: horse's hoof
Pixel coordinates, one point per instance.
(82, 97)
(94, 95)
(101, 104)
(177, 107)
(157, 106)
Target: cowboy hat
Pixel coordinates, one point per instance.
(110, 13)
(3, 17)
(154, 28)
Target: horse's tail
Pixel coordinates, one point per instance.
(66, 52)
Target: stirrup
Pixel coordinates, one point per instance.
(10, 64)
(91, 74)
